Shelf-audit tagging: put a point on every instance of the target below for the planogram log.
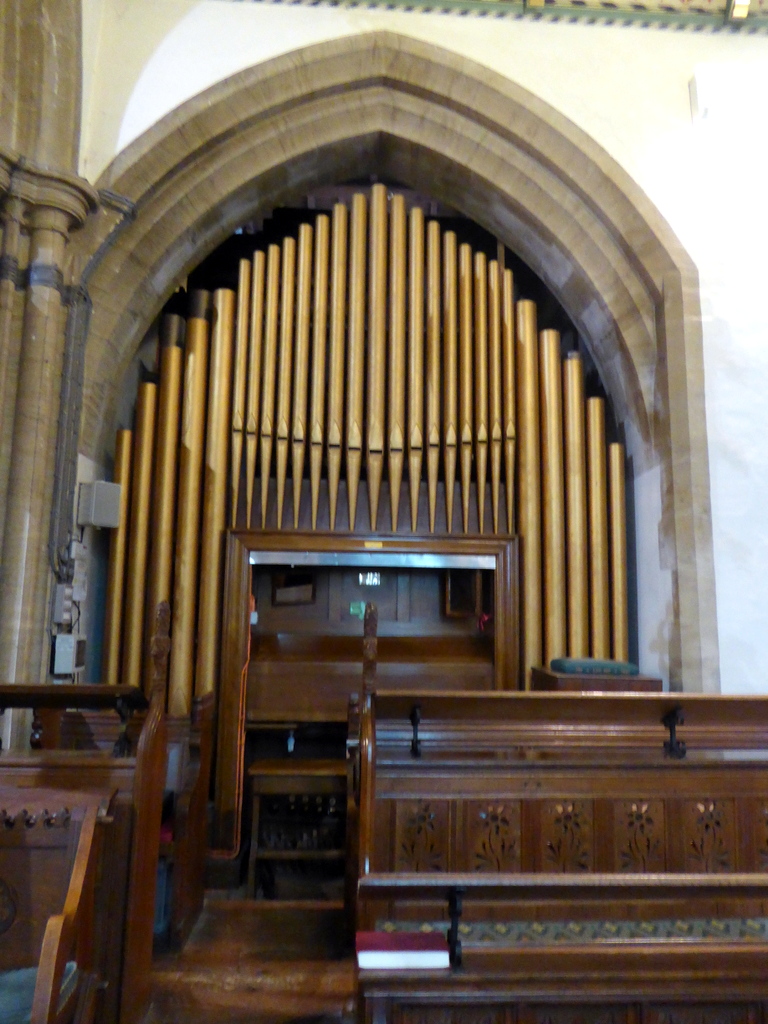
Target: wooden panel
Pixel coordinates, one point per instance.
(492, 835)
(587, 1014)
(566, 842)
(710, 836)
(638, 835)
(711, 1013)
(421, 839)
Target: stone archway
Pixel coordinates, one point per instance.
(420, 115)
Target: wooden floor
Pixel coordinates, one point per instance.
(258, 961)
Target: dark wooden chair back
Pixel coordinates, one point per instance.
(49, 846)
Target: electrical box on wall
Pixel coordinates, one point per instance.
(99, 504)
(67, 654)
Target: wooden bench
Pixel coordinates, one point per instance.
(126, 888)
(545, 809)
(49, 857)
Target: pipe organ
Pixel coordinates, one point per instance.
(372, 373)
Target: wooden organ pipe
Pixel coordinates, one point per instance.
(138, 537)
(336, 360)
(495, 274)
(319, 325)
(356, 352)
(598, 529)
(481, 383)
(577, 555)
(415, 358)
(465, 377)
(255, 349)
(508, 392)
(553, 496)
(301, 379)
(214, 491)
(160, 576)
(118, 543)
(434, 339)
(285, 374)
(529, 485)
(238, 389)
(397, 351)
(181, 672)
(376, 376)
(618, 507)
(271, 315)
(450, 371)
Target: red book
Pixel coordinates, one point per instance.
(401, 950)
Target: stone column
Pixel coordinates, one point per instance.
(11, 307)
(53, 204)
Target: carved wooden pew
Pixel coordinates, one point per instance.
(50, 842)
(625, 971)
(576, 798)
(126, 897)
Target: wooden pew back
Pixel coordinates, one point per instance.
(532, 783)
(126, 892)
(49, 849)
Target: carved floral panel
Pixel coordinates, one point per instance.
(421, 835)
(639, 835)
(493, 835)
(710, 836)
(566, 835)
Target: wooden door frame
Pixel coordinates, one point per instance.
(502, 557)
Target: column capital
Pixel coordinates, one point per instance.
(56, 190)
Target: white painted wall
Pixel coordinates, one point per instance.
(629, 89)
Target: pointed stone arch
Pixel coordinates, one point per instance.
(413, 112)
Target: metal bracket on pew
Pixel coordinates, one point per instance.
(122, 747)
(673, 747)
(455, 900)
(415, 717)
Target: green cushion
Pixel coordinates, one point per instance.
(593, 667)
(17, 989)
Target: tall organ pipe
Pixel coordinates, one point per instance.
(160, 577)
(495, 275)
(181, 673)
(465, 377)
(377, 350)
(529, 516)
(285, 376)
(215, 491)
(450, 371)
(508, 392)
(319, 326)
(481, 383)
(238, 389)
(576, 506)
(397, 351)
(253, 399)
(356, 352)
(619, 614)
(301, 379)
(553, 496)
(118, 543)
(336, 356)
(598, 529)
(138, 541)
(271, 316)
(434, 338)
(415, 358)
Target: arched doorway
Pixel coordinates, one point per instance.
(414, 113)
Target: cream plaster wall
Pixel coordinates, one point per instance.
(628, 89)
